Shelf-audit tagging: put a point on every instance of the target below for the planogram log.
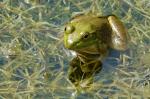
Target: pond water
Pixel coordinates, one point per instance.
(34, 63)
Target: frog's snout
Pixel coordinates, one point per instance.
(72, 40)
(69, 41)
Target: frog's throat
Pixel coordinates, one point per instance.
(100, 55)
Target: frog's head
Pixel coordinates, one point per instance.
(81, 32)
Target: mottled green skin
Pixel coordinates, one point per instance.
(91, 37)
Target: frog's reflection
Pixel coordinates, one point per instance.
(79, 71)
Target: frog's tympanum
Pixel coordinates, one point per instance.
(91, 37)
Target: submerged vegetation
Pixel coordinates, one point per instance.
(34, 63)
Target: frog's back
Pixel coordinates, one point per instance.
(95, 21)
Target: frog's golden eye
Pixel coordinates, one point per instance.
(69, 29)
(85, 35)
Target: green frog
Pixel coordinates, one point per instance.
(91, 37)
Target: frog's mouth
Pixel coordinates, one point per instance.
(80, 47)
(74, 46)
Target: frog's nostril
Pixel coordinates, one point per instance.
(69, 29)
(65, 29)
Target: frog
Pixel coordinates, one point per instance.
(91, 37)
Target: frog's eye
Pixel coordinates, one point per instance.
(69, 29)
(85, 35)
